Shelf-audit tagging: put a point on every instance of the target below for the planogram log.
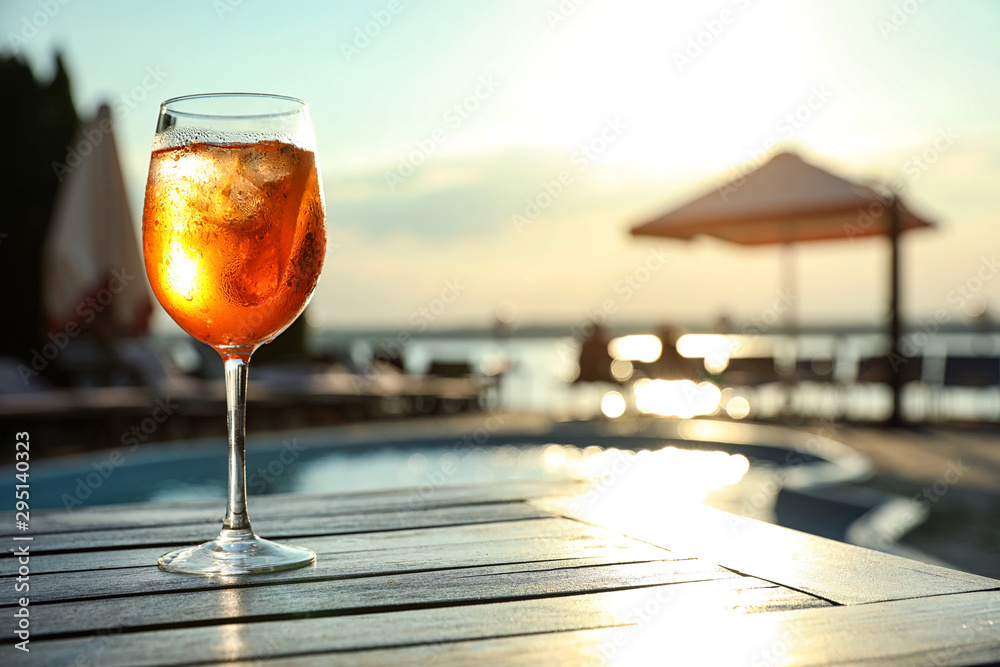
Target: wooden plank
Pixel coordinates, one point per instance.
(542, 529)
(277, 640)
(284, 505)
(457, 547)
(359, 595)
(835, 571)
(964, 629)
(282, 528)
(86, 561)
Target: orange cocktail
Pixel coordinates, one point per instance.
(234, 237)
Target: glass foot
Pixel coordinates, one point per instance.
(236, 552)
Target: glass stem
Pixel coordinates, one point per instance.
(236, 403)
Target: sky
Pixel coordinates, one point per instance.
(487, 159)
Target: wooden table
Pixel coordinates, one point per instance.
(514, 573)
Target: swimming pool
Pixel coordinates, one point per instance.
(769, 473)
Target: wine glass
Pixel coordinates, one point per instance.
(234, 237)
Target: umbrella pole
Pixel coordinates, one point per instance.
(895, 357)
(790, 283)
(787, 365)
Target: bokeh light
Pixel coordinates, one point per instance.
(613, 405)
(645, 348)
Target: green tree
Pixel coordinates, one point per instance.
(39, 122)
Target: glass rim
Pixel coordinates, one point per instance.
(166, 105)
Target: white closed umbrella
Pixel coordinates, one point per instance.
(93, 270)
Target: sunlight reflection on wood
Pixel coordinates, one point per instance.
(231, 636)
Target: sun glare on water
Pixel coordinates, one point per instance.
(645, 483)
(676, 398)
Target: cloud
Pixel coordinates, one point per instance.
(445, 198)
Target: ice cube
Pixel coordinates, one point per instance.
(268, 162)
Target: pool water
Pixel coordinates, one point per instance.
(644, 468)
(296, 466)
